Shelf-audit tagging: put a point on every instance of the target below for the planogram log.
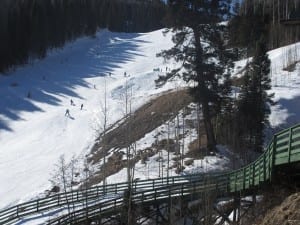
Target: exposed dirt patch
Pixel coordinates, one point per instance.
(291, 67)
(287, 213)
(143, 121)
(280, 206)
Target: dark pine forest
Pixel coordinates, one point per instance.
(28, 28)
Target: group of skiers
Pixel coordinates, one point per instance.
(67, 113)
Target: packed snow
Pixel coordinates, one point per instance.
(35, 128)
(285, 77)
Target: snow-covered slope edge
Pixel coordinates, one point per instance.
(285, 76)
(34, 131)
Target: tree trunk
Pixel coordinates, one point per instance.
(211, 141)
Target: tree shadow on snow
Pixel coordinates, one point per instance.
(62, 71)
(293, 108)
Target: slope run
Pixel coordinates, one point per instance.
(34, 131)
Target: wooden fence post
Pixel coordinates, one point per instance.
(273, 157)
(290, 144)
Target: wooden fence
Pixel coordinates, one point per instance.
(102, 200)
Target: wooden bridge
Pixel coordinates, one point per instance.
(100, 202)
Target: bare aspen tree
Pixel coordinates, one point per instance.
(64, 178)
(168, 151)
(159, 154)
(104, 110)
(177, 145)
(183, 138)
(62, 169)
(278, 11)
(130, 149)
(273, 10)
(87, 171)
(199, 133)
(73, 169)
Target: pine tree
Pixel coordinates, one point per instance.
(254, 99)
(199, 48)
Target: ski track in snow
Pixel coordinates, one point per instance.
(34, 132)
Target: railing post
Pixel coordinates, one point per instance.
(244, 178)
(228, 183)
(259, 172)
(273, 157)
(235, 182)
(290, 144)
(264, 154)
(270, 160)
(253, 174)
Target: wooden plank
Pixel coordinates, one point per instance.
(280, 161)
(296, 130)
(283, 136)
(296, 135)
(283, 148)
(295, 151)
(281, 155)
(295, 157)
(296, 144)
(282, 141)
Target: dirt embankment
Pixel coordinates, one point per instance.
(287, 213)
(280, 205)
(131, 129)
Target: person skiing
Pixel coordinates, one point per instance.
(81, 106)
(71, 101)
(67, 112)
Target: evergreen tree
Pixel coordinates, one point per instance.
(254, 100)
(199, 47)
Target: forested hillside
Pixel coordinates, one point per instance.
(256, 17)
(28, 28)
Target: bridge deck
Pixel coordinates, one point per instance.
(283, 150)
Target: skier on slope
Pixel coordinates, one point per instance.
(67, 112)
(81, 106)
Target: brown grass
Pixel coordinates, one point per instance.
(287, 213)
(144, 120)
(291, 67)
(195, 151)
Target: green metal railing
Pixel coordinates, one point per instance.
(283, 149)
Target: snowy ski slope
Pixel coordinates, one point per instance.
(34, 131)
